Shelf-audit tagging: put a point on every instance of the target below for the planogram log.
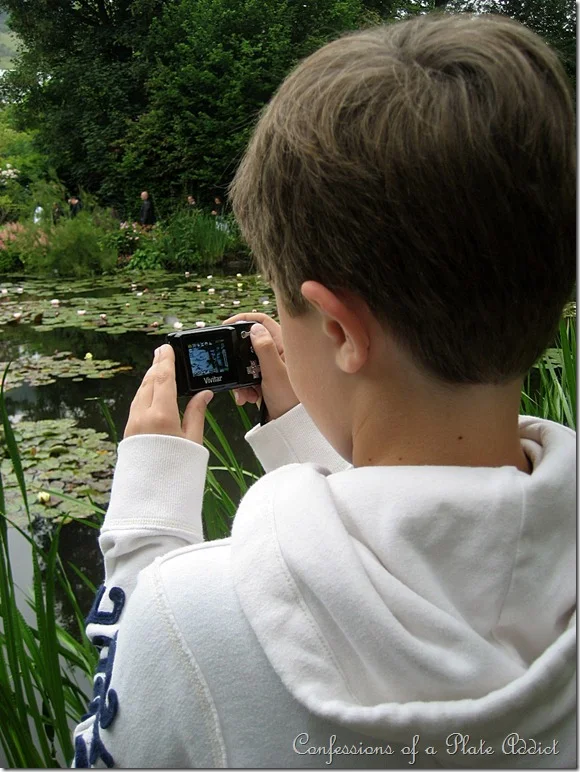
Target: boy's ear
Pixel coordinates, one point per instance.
(344, 319)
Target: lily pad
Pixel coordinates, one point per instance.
(38, 370)
(130, 304)
(58, 455)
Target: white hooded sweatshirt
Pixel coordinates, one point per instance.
(373, 617)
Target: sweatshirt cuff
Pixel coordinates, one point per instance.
(293, 438)
(158, 484)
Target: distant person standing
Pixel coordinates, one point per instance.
(56, 213)
(38, 212)
(147, 216)
(218, 207)
(191, 202)
(75, 205)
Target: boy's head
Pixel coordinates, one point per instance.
(427, 167)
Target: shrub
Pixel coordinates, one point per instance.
(75, 247)
(193, 239)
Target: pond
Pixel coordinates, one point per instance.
(73, 343)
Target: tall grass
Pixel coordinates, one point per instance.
(550, 387)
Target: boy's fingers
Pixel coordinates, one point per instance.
(270, 324)
(194, 416)
(249, 394)
(266, 349)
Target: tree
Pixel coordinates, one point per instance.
(214, 64)
(78, 81)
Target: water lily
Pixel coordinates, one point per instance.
(88, 356)
(55, 302)
(17, 316)
(81, 312)
(177, 325)
(127, 305)
(187, 274)
(200, 324)
(240, 285)
(238, 275)
(139, 294)
(19, 290)
(210, 276)
(103, 316)
(211, 291)
(236, 303)
(4, 291)
(43, 497)
(265, 302)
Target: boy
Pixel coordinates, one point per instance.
(399, 589)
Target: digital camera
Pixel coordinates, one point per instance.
(217, 358)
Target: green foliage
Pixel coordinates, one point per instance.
(75, 247)
(550, 388)
(192, 239)
(39, 693)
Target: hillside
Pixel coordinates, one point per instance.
(8, 43)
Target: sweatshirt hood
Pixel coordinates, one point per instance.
(395, 600)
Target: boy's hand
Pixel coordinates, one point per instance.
(266, 339)
(154, 409)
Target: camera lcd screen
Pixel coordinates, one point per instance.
(208, 357)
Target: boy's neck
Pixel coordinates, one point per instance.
(466, 426)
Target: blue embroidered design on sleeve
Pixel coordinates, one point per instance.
(105, 702)
(117, 595)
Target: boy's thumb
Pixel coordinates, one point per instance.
(194, 416)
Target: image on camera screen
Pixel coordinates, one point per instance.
(208, 357)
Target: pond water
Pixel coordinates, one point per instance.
(52, 381)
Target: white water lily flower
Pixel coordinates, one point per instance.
(17, 316)
(4, 291)
(103, 316)
(154, 324)
(222, 305)
(81, 312)
(43, 497)
(55, 302)
(210, 276)
(127, 305)
(19, 290)
(200, 324)
(265, 302)
(240, 285)
(88, 356)
(139, 294)
(177, 325)
(238, 276)
(254, 310)
(187, 274)
(236, 303)
(211, 291)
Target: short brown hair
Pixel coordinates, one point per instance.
(428, 166)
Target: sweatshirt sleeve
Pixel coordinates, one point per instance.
(294, 438)
(148, 680)
(155, 507)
